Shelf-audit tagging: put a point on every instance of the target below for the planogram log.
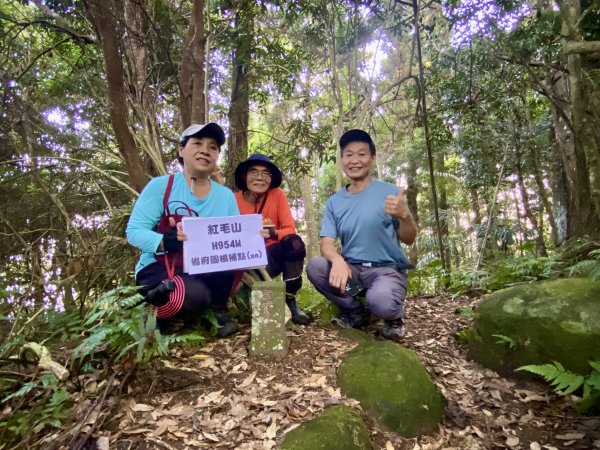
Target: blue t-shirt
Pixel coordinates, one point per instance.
(366, 232)
(220, 202)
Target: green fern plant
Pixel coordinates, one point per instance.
(508, 271)
(502, 339)
(566, 382)
(39, 403)
(118, 324)
(589, 267)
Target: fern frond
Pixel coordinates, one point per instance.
(23, 391)
(567, 382)
(594, 381)
(187, 340)
(89, 345)
(564, 382)
(502, 339)
(595, 365)
(548, 371)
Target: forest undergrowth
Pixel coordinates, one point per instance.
(214, 396)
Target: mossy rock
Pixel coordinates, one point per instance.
(338, 427)
(393, 387)
(537, 323)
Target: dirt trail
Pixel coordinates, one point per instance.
(215, 397)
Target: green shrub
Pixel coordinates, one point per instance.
(36, 405)
(117, 327)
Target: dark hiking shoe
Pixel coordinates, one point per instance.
(227, 326)
(170, 325)
(356, 319)
(299, 317)
(393, 329)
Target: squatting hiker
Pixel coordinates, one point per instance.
(154, 229)
(369, 217)
(258, 180)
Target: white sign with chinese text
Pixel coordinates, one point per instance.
(223, 243)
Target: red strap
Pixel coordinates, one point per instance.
(168, 194)
(170, 266)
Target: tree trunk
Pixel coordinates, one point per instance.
(444, 212)
(459, 246)
(198, 45)
(185, 79)
(581, 219)
(560, 200)
(520, 226)
(539, 237)
(411, 202)
(537, 173)
(141, 100)
(312, 225)
(583, 116)
(336, 94)
(192, 73)
(425, 122)
(239, 108)
(103, 15)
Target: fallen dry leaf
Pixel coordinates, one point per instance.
(249, 379)
(271, 430)
(141, 407)
(210, 436)
(569, 436)
(512, 441)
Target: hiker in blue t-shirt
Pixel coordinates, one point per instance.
(369, 217)
(154, 228)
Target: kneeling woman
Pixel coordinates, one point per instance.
(258, 180)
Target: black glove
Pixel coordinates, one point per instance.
(272, 233)
(170, 242)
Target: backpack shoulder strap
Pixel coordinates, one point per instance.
(168, 194)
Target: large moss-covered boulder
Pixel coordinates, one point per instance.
(392, 386)
(338, 427)
(537, 323)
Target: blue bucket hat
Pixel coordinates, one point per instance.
(255, 160)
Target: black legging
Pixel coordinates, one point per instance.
(287, 256)
(192, 294)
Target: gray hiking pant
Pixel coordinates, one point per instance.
(385, 288)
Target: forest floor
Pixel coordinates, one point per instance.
(216, 397)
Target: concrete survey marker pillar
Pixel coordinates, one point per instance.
(268, 320)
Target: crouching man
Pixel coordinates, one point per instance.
(369, 217)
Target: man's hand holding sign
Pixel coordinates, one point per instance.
(222, 243)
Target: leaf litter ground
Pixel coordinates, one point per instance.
(216, 397)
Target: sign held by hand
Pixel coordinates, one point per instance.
(216, 244)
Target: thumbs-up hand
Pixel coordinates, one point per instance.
(395, 205)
